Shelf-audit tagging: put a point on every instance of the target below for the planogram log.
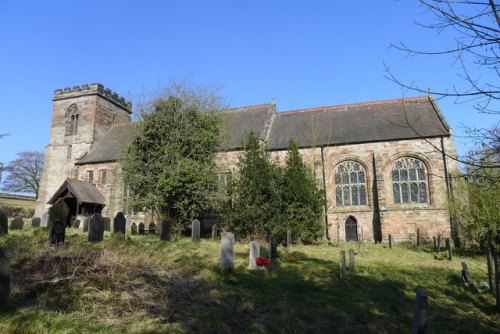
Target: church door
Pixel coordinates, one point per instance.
(351, 229)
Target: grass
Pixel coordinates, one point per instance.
(143, 285)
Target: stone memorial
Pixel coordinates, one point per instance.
(215, 232)
(254, 254)
(419, 324)
(128, 222)
(35, 222)
(141, 228)
(165, 229)
(45, 219)
(119, 223)
(195, 231)
(107, 223)
(133, 229)
(273, 248)
(351, 260)
(85, 224)
(57, 233)
(5, 272)
(58, 212)
(342, 265)
(76, 223)
(17, 223)
(152, 228)
(227, 252)
(4, 223)
(96, 228)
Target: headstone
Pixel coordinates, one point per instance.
(76, 223)
(491, 269)
(107, 223)
(4, 223)
(152, 228)
(390, 241)
(166, 225)
(5, 271)
(215, 232)
(273, 248)
(128, 222)
(133, 229)
(17, 223)
(85, 224)
(45, 219)
(141, 228)
(351, 260)
(448, 247)
(57, 233)
(434, 240)
(254, 254)
(35, 222)
(288, 238)
(96, 228)
(119, 223)
(496, 261)
(195, 231)
(439, 244)
(227, 252)
(58, 212)
(467, 279)
(342, 264)
(419, 325)
(418, 237)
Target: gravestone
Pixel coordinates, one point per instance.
(85, 224)
(45, 219)
(273, 248)
(166, 225)
(448, 247)
(467, 279)
(128, 222)
(133, 229)
(439, 244)
(342, 264)
(107, 223)
(4, 223)
(390, 241)
(17, 223)
(215, 232)
(419, 324)
(5, 271)
(351, 260)
(496, 261)
(58, 212)
(141, 228)
(418, 237)
(434, 240)
(227, 252)
(195, 231)
(35, 222)
(57, 233)
(152, 228)
(119, 223)
(76, 223)
(254, 254)
(288, 238)
(96, 228)
(491, 269)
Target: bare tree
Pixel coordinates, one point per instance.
(24, 173)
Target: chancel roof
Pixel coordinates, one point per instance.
(324, 126)
(84, 192)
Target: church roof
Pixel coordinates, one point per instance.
(397, 119)
(84, 192)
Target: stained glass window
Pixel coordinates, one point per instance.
(409, 183)
(350, 188)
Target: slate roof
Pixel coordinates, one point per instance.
(359, 123)
(84, 192)
(333, 125)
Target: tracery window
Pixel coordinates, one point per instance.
(409, 181)
(72, 116)
(350, 184)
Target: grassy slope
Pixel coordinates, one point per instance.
(144, 285)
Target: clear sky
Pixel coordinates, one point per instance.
(302, 53)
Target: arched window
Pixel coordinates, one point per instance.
(72, 116)
(350, 184)
(409, 181)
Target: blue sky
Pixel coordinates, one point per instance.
(302, 53)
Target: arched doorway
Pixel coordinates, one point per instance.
(351, 229)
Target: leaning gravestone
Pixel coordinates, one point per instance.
(4, 223)
(195, 231)
(273, 248)
(165, 229)
(4, 279)
(254, 254)
(119, 223)
(35, 222)
(96, 228)
(227, 252)
(57, 233)
(215, 232)
(141, 228)
(107, 223)
(45, 219)
(133, 229)
(17, 223)
(152, 228)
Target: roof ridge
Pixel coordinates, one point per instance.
(351, 105)
(249, 107)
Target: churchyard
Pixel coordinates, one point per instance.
(141, 284)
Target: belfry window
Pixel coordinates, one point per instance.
(350, 184)
(409, 181)
(72, 117)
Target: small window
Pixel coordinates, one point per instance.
(103, 176)
(72, 117)
(90, 176)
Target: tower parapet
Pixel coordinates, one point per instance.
(95, 88)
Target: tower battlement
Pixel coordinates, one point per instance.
(95, 88)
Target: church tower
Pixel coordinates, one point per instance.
(80, 117)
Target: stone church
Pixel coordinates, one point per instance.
(384, 165)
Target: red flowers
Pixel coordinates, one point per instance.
(292, 259)
(260, 261)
